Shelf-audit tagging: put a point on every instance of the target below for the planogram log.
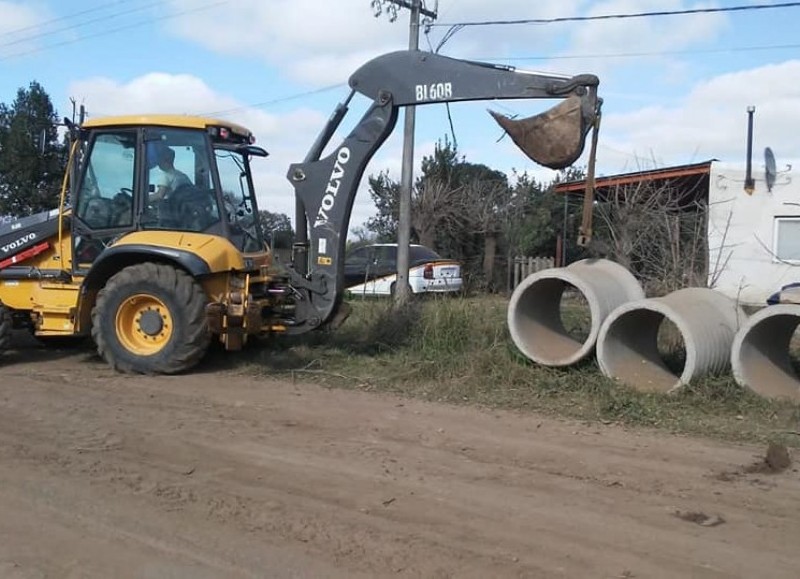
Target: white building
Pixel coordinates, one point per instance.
(753, 239)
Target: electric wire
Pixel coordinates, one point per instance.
(288, 98)
(620, 16)
(644, 54)
(447, 105)
(106, 32)
(455, 27)
(275, 101)
(81, 24)
(62, 18)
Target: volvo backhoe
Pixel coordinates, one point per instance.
(155, 249)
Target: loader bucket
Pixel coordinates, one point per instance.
(554, 138)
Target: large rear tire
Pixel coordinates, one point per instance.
(150, 319)
(5, 327)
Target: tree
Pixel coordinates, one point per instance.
(454, 208)
(385, 193)
(32, 160)
(469, 212)
(536, 218)
(531, 226)
(656, 230)
(277, 229)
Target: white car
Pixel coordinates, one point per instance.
(372, 270)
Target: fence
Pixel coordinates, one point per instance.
(522, 267)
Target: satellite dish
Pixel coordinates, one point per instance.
(769, 166)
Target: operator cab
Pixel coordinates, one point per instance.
(167, 173)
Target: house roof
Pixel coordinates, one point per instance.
(684, 176)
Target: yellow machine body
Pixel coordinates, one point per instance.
(47, 287)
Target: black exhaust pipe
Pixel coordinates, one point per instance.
(749, 182)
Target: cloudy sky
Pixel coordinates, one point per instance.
(676, 88)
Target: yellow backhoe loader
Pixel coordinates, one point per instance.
(156, 249)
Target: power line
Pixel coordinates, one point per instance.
(275, 101)
(647, 53)
(620, 16)
(114, 30)
(225, 112)
(447, 36)
(65, 17)
(81, 24)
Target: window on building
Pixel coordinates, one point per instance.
(787, 238)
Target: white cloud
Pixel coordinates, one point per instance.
(645, 34)
(710, 122)
(318, 43)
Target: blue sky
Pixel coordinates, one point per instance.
(680, 99)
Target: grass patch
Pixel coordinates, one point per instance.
(458, 350)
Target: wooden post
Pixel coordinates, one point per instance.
(559, 249)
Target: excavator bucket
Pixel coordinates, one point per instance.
(554, 138)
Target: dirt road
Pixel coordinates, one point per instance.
(222, 475)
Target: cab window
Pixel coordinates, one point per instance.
(106, 194)
(238, 199)
(180, 192)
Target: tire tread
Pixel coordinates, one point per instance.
(6, 324)
(187, 293)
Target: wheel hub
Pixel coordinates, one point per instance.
(144, 324)
(151, 323)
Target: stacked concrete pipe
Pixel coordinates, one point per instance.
(534, 315)
(627, 347)
(760, 354)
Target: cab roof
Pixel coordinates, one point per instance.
(177, 121)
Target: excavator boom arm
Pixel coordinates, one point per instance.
(416, 78)
(325, 188)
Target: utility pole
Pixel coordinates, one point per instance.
(402, 288)
(82, 116)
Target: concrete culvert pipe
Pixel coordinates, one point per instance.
(535, 311)
(631, 346)
(761, 352)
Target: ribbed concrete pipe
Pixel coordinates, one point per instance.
(760, 353)
(534, 312)
(627, 348)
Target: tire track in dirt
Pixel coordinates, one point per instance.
(362, 483)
